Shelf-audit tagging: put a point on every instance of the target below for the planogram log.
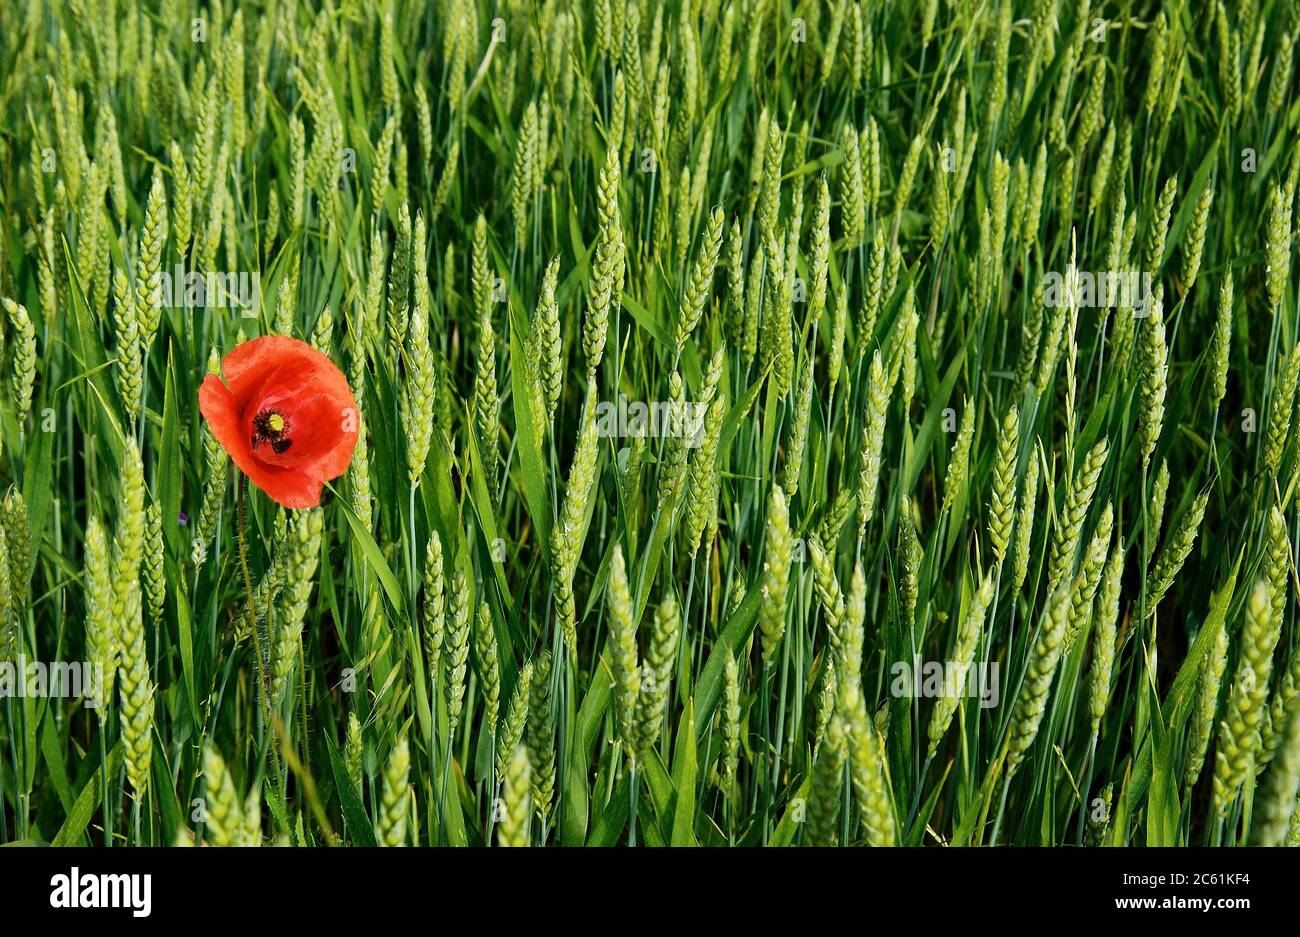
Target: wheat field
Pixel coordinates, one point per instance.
(819, 423)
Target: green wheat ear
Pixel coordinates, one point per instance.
(1239, 730)
(540, 736)
(515, 796)
(1031, 705)
(390, 825)
(623, 651)
(730, 715)
(776, 564)
(1003, 501)
(827, 785)
(962, 655)
(489, 670)
(512, 726)
(223, 815)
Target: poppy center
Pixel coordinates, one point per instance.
(270, 426)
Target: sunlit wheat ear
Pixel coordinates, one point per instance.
(446, 179)
(1208, 687)
(1239, 739)
(399, 283)
(433, 619)
(383, 161)
(699, 288)
(539, 734)
(769, 195)
(1037, 185)
(735, 307)
(1104, 647)
(489, 668)
(798, 439)
(1050, 351)
(223, 813)
(959, 458)
(152, 571)
(103, 641)
(827, 587)
(1074, 509)
(753, 304)
(907, 176)
(129, 373)
(303, 534)
(873, 437)
(776, 565)
(962, 655)
(390, 825)
(605, 288)
(523, 173)
(623, 650)
(1277, 247)
(1176, 550)
(1281, 411)
(875, 287)
(1156, 509)
(516, 796)
(1277, 570)
(775, 340)
(1101, 176)
(852, 199)
(1154, 249)
(182, 202)
(16, 522)
(1280, 785)
(568, 532)
(656, 674)
(1275, 723)
(137, 692)
(1221, 343)
(1281, 75)
(871, 790)
(826, 696)
(456, 651)
(1002, 503)
(153, 241)
(1084, 587)
(1031, 704)
(730, 718)
(10, 636)
(359, 474)
(545, 337)
(353, 750)
(1194, 237)
(827, 788)
(129, 541)
(911, 555)
(486, 401)
(512, 725)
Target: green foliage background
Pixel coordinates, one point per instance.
(745, 205)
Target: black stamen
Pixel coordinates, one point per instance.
(264, 431)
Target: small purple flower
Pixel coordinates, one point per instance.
(183, 518)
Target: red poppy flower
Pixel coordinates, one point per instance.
(285, 414)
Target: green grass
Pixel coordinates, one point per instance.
(826, 224)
